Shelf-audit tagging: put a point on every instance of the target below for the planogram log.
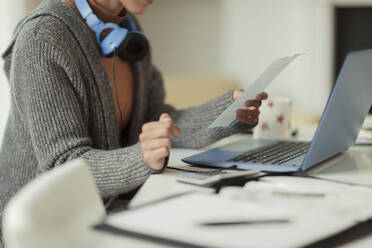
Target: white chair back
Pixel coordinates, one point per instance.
(57, 209)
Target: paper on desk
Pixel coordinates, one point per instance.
(296, 194)
(180, 219)
(364, 137)
(251, 91)
(309, 218)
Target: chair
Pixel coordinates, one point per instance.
(57, 209)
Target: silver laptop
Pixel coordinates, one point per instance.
(343, 116)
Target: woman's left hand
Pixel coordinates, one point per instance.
(250, 114)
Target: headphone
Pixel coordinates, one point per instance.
(125, 41)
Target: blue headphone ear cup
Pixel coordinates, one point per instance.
(113, 39)
(134, 48)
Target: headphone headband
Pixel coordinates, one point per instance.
(87, 13)
(130, 44)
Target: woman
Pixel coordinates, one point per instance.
(69, 101)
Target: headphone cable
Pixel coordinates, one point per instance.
(116, 88)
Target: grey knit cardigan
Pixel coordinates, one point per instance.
(62, 107)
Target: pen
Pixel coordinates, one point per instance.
(245, 222)
(295, 194)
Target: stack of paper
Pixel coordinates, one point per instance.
(279, 212)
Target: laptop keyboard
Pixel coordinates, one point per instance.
(276, 153)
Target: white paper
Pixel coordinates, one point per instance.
(311, 218)
(181, 218)
(229, 115)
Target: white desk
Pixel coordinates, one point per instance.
(353, 166)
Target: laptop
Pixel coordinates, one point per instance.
(343, 116)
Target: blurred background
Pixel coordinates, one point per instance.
(206, 47)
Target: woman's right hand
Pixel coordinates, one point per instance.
(156, 138)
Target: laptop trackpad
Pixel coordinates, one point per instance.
(224, 153)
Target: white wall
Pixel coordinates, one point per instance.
(239, 38)
(184, 35)
(259, 31)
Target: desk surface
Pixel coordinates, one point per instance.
(353, 166)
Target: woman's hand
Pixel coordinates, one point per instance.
(250, 114)
(156, 140)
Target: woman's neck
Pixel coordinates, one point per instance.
(111, 6)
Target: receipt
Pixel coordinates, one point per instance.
(229, 115)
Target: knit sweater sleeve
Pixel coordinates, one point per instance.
(52, 115)
(194, 121)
